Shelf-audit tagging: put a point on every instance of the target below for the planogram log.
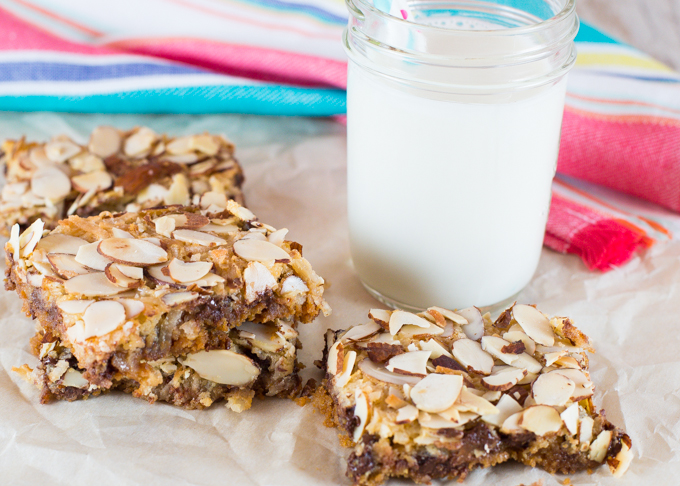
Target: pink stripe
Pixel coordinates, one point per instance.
(642, 159)
(244, 61)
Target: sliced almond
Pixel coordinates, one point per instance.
(92, 285)
(541, 420)
(223, 366)
(74, 306)
(165, 225)
(60, 150)
(210, 280)
(92, 181)
(361, 332)
(469, 402)
(494, 345)
(205, 144)
(416, 332)
(139, 143)
(361, 413)
(435, 349)
(75, 379)
(586, 430)
(599, 447)
(551, 358)
(178, 192)
(104, 141)
(511, 424)
(153, 241)
(407, 414)
(413, 363)
(212, 198)
(38, 157)
(619, 465)
(335, 354)
(552, 389)
(278, 237)
(434, 421)
(567, 362)
(178, 298)
(347, 368)
(469, 353)
(118, 278)
(436, 392)
(202, 168)
(88, 255)
(102, 317)
(583, 387)
(527, 362)
(57, 243)
(180, 145)
(220, 229)
(263, 336)
(66, 265)
(86, 162)
(132, 307)
(30, 238)
(50, 183)
(506, 407)
(514, 336)
(239, 211)
(379, 372)
(534, 323)
(13, 242)
(260, 251)
(119, 233)
(474, 329)
(570, 418)
(450, 315)
(400, 318)
(258, 281)
(156, 272)
(198, 238)
(380, 317)
(183, 272)
(132, 251)
(503, 378)
(293, 285)
(136, 273)
(182, 158)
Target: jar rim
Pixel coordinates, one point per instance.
(567, 10)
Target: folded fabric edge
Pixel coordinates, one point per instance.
(258, 100)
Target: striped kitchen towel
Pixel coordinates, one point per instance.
(284, 57)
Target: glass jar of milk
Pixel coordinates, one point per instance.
(453, 122)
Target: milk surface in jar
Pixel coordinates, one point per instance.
(449, 168)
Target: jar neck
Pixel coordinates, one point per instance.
(517, 51)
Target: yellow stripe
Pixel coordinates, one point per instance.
(587, 59)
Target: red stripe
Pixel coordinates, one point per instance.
(59, 18)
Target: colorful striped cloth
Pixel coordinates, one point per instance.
(284, 57)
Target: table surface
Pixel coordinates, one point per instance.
(650, 25)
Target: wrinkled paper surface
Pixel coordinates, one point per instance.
(295, 178)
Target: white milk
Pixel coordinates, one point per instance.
(448, 201)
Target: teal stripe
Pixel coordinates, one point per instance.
(258, 100)
(587, 33)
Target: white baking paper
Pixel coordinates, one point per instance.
(295, 178)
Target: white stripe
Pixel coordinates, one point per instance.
(81, 59)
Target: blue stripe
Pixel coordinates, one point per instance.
(59, 71)
(588, 33)
(312, 11)
(258, 100)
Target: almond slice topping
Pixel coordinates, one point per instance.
(198, 238)
(66, 265)
(104, 141)
(118, 278)
(503, 378)
(378, 372)
(434, 348)
(436, 393)
(506, 407)
(534, 323)
(469, 402)
(450, 315)
(139, 143)
(50, 183)
(360, 412)
(599, 447)
(347, 367)
(179, 298)
(469, 353)
(57, 243)
(401, 318)
(183, 272)
(278, 237)
(30, 238)
(293, 285)
(156, 272)
(260, 251)
(131, 272)
(258, 280)
(433, 421)
(60, 150)
(263, 336)
(88, 255)
(552, 389)
(239, 211)
(570, 418)
(407, 414)
(220, 229)
(132, 251)
(527, 362)
(223, 366)
(514, 336)
(474, 329)
(102, 317)
(92, 285)
(361, 332)
(74, 306)
(583, 387)
(541, 420)
(411, 363)
(381, 317)
(132, 307)
(493, 345)
(92, 181)
(75, 379)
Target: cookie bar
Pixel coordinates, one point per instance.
(126, 293)
(260, 360)
(116, 171)
(438, 394)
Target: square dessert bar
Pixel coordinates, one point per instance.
(150, 302)
(116, 171)
(438, 394)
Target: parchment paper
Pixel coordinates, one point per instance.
(295, 178)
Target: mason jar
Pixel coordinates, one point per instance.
(453, 122)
